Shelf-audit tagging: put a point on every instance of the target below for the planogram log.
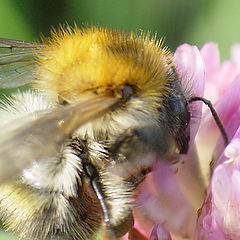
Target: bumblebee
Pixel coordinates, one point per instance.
(103, 105)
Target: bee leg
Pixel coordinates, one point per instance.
(114, 231)
(93, 175)
(127, 223)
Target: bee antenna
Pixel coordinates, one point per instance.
(215, 116)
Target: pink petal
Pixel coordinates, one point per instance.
(228, 72)
(220, 217)
(227, 105)
(189, 65)
(159, 233)
(231, 128)
(211, 58)
(164, 202)
(218, 79)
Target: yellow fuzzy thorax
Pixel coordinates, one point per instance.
(102, 61)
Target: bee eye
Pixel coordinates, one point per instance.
(179, 117)
(178, 105)
(127, 92)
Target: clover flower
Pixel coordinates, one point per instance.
(219, 217)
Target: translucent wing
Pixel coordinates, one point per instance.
(17, 59)
(27, 140)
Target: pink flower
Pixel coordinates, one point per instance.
(219, 217)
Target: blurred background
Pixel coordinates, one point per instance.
(194, 22)
(179, 21)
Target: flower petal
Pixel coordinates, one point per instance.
(220, 216)
(211, 58)
(159, 233)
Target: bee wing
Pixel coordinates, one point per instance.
(17, 59)
(33, 140)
